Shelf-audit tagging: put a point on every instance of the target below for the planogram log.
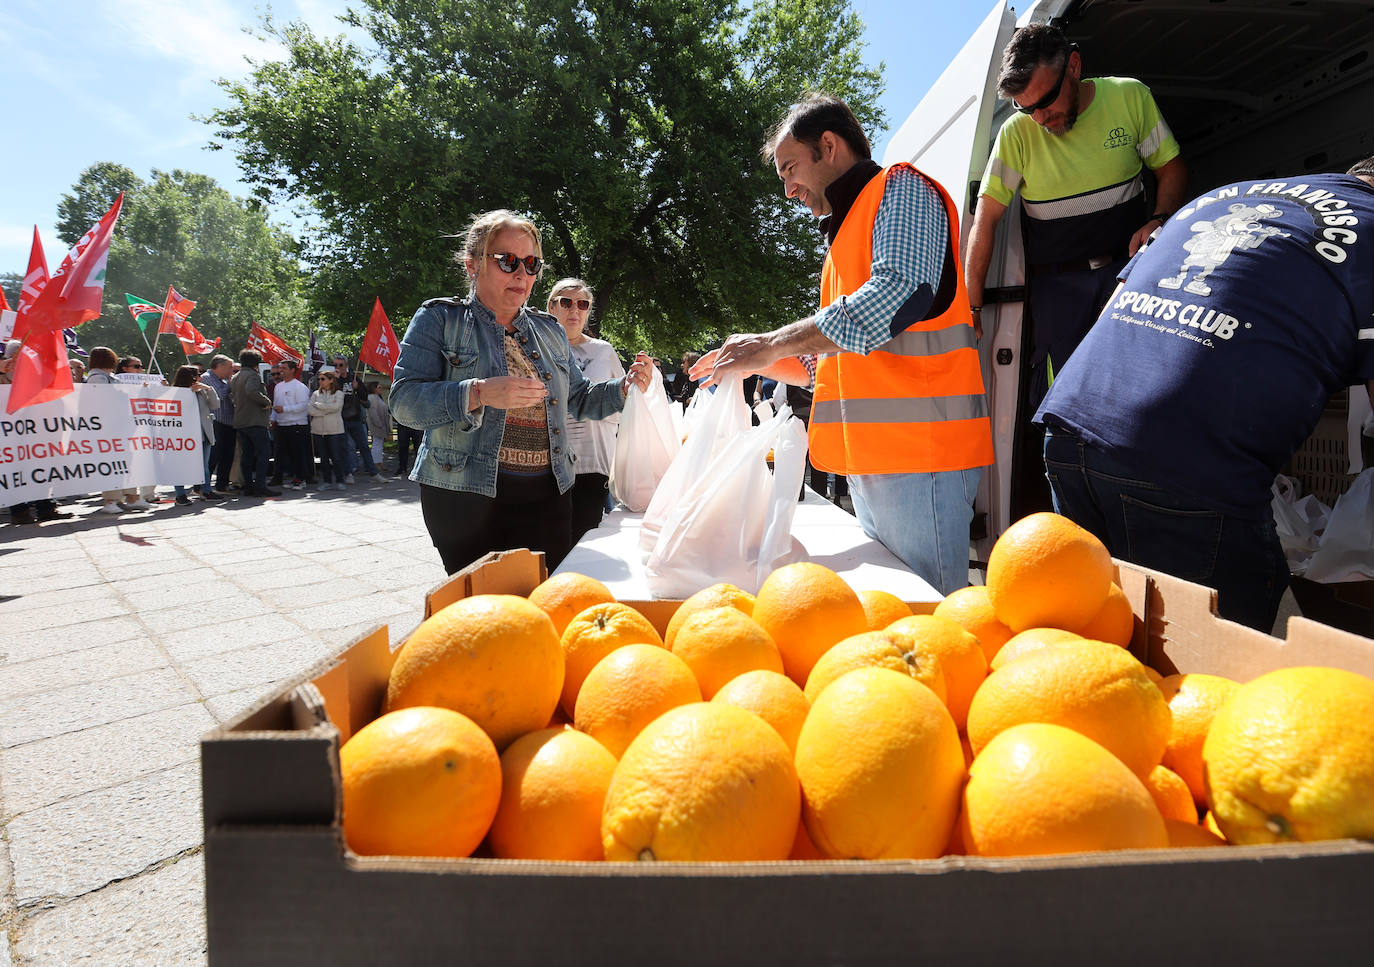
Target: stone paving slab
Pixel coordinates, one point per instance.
(81, 844)
(50, 770)
(156, 919)
(139, 634)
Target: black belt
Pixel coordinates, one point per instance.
(1074, 265)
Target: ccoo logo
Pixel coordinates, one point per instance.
(155, 407)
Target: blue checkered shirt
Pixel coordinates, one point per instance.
(910, 238)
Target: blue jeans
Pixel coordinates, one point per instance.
(923, 518)
(255, 447)
(356, 431)
(1144, 523)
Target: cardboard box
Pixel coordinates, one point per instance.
(281, 888)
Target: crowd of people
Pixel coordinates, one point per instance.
(257, 434)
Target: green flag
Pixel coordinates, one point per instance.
(145, 313)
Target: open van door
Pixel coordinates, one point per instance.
(949, 137)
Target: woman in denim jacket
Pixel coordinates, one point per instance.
(493, 383)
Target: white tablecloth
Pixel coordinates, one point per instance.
(611, 554)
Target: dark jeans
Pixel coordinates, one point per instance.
(253, 460)
(1144, 523)
(356, 431)
(222, 455)
(407, 446)
(332, 451)
(1064, 306)
(526, 512)
(588, 502)
(293, 451)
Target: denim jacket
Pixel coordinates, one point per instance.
(448, 345)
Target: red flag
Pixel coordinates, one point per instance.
(270, 346)
(72, 295)
(47, 305)
(174, 311)
(380, 347)
(36, 277)
(192, 342)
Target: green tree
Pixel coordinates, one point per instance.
(181, 229)
(11, 283)
(628, 129)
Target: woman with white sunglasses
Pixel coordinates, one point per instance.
(493, 384)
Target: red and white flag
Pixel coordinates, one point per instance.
(37, 275)
(271, 347)
(380, 348)
(174, 311)
(68, 298)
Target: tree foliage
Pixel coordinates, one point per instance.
(184, 230)
(628, 129)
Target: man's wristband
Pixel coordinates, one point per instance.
(975, 308)
(1160, 217)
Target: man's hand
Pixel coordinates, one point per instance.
(1142, 235)
(743, 354)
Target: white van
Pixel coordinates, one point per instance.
(1251, 89)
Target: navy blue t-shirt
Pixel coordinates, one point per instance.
(1212, 363)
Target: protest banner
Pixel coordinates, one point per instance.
(96, 438)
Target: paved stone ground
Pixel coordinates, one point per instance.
(122, 641)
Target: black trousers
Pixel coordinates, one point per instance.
(588, 502)
(408, 441)
(222, 456)
(294, 455)
(527, 511)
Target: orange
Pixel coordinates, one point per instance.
(802, 847)
(628, 689)
(719, 644)
(716, 596)
(1193, 701)
(1114, 622)
(1290, 757)
(898, 651)
(1209, 823)
(1032, 639)
(1091, 687)
(565, 596)
(882, 608)
(706, 781)
(553, 784)
(971, 608)
(773, 697)
(961, 658)
(1171, 795)
(880, 768)
(1039, 788)
(493, 657)
(1047, 572)
(807, 608)
(419, 782)
(1184, 834)
(594, 634)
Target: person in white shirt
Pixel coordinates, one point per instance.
(592, 441)
(290, 400)
(378, 420)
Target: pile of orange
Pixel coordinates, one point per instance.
(812, 722)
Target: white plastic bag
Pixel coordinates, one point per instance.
(719, 418)
(645, 446)
(1299, 522)
(1346, 550)
(734, 524)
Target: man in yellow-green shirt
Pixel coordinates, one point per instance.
(1075, 151)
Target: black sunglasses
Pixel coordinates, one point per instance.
(566, 303)
(1053, 94)
(507, 262)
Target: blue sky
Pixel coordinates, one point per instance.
(118, 80)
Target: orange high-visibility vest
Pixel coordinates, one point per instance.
(916, 404)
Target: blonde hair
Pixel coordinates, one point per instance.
(477, 238)
(571, 284)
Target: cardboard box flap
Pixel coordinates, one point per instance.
(278, 777)
(354, 688)
(502, 572)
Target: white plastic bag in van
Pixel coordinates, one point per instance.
(1346, 550)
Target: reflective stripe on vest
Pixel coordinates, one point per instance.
(916, 404)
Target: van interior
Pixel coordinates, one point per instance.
(1250, 88)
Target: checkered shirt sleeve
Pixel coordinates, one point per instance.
(910, 237)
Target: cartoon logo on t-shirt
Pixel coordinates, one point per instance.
(1215, 240)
